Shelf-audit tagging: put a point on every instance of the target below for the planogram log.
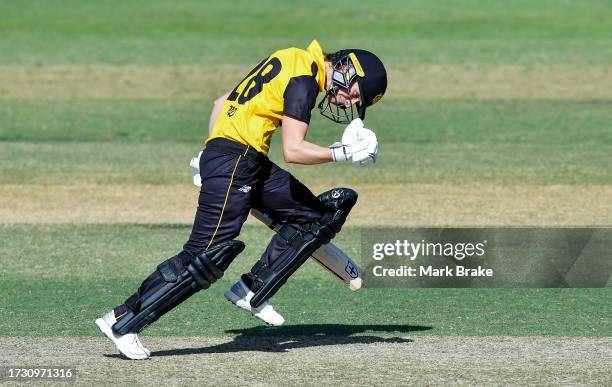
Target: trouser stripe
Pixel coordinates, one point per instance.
(224, 202)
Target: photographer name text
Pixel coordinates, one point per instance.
(410, 251)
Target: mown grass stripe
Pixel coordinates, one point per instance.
(428, 81)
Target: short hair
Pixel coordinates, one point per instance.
(332, 56)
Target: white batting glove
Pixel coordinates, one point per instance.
(366, 149)
(361, 152)
(350, 133)
(195, 167)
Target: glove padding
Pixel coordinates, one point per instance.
(361, 150)
(365, 150)
(350, 133)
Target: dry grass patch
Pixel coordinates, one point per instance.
(511, 81)
(103, 81)
(477, 81)
(379, 204)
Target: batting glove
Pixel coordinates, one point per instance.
(363, 151)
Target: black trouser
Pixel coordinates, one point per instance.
(235, 178)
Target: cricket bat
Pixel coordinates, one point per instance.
(329, 256)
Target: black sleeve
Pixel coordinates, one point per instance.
(300, 97)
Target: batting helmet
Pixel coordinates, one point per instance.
(354, 65)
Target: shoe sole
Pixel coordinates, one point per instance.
(269, 323)
(234, 299)
(108, 332)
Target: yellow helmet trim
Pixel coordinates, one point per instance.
(357, 65)
(377, 98)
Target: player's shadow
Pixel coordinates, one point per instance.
(283, 339)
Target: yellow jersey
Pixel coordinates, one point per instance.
(284, 84)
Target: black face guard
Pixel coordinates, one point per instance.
(343, 75)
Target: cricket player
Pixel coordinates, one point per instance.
(237, 176)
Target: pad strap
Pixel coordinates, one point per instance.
(292, 235)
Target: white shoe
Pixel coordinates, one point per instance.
(240, 295)
(129, 344)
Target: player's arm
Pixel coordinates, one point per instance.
(216, 110)
(296, 149)
(358, 145)
(299, 100)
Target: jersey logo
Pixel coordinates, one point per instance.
(231, 111)
(245, 188)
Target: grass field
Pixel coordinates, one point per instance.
(497, 113)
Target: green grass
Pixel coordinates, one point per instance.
(400, 163)
(56, 280)
(472, 31)
(119, 121)
(455, 142)
(396, 120)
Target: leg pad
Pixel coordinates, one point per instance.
(179, 278)
(302, 243)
